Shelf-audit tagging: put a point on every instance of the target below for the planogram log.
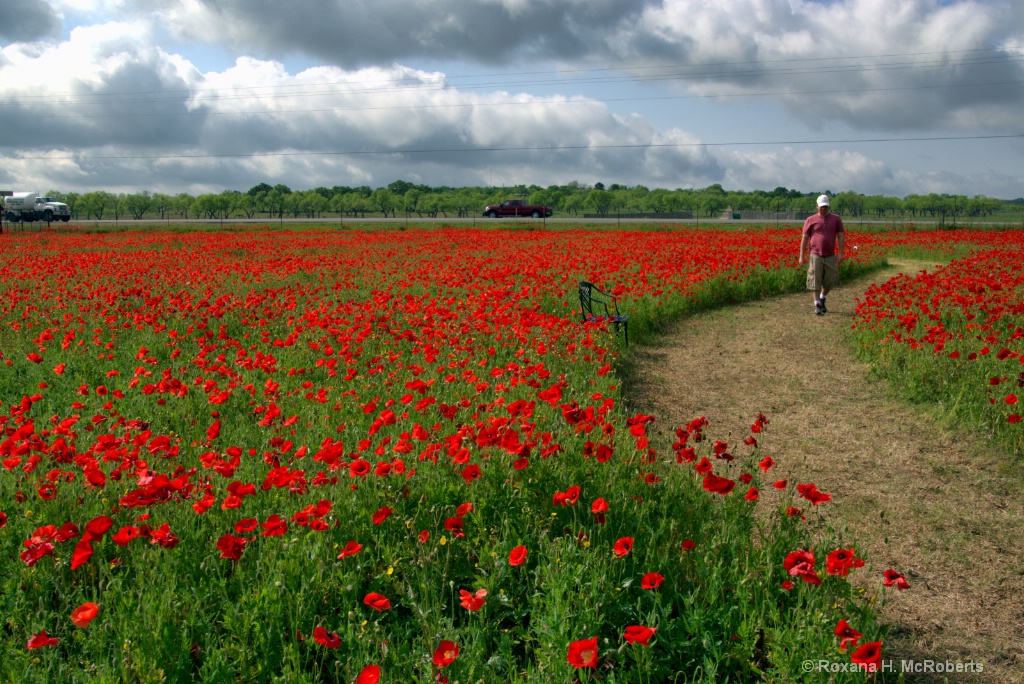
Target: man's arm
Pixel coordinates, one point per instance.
(803, 245)
(841, 237)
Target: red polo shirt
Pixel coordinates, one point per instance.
(822, 231)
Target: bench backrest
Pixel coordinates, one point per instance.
(589, 295)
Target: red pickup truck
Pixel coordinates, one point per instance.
(517, 207)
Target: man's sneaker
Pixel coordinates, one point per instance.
(821, 305)
(819, 310)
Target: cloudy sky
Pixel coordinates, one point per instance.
(877, 96)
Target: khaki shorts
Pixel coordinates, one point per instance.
(822, 272)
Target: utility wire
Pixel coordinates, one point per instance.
(526, 148)
(520, 103)
(387, 87)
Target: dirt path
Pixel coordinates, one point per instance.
(944, 509)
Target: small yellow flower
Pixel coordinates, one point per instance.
(391, 571)
(442, 541)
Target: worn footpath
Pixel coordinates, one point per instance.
(944, 508)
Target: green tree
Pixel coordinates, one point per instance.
(248, 205)
(183, 204)
(95, 204)
(71, 199)
(599, 200)
(161, 204)
(138, 204)
(385, 200)
(261, 188)
(312, 204)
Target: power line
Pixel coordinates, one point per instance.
(559, 101)
(387, 87)
(526, 148)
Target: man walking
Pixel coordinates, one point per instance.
(822, 233)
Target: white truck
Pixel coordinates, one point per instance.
(29, 206)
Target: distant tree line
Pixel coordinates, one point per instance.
(409, 199)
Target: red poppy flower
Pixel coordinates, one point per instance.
(67, 532)
(424, 536)
(787, 585)
(801, 564)
(463, 509)
(3, 519)
(652, 580)
(810, 492)
(97, 527)
(517, 556)
(868, 656)
(599, 506)
(703, 467)
(382, 514)
(325, 638)
(42, 639)
(471, 472)
(572, 495)
(84, 614)
(454, 525)
(766, 463)
(446, 654)
(891, 577)
(164, 537)
(473, 602)
(718, 485)
(847, 635)
(752, 494)
(231, 547)
(359, 468)
(81, 554)
(275, 526)
(351, 549)
(125, 535)
(583, 653)
(638, 634)
(622, 547)
(841, 561)
(688, 545)
(378, 602)
(780, 484)
(369, 675)
(34, 358)
(246, 525)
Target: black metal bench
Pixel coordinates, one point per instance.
(607, 309)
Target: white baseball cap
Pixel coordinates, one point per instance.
(823, 200)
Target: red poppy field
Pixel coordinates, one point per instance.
(398, 456)
(956, 336)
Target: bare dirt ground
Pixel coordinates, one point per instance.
(943, 508)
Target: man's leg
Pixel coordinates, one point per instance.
(829, 279)
(818, 267)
